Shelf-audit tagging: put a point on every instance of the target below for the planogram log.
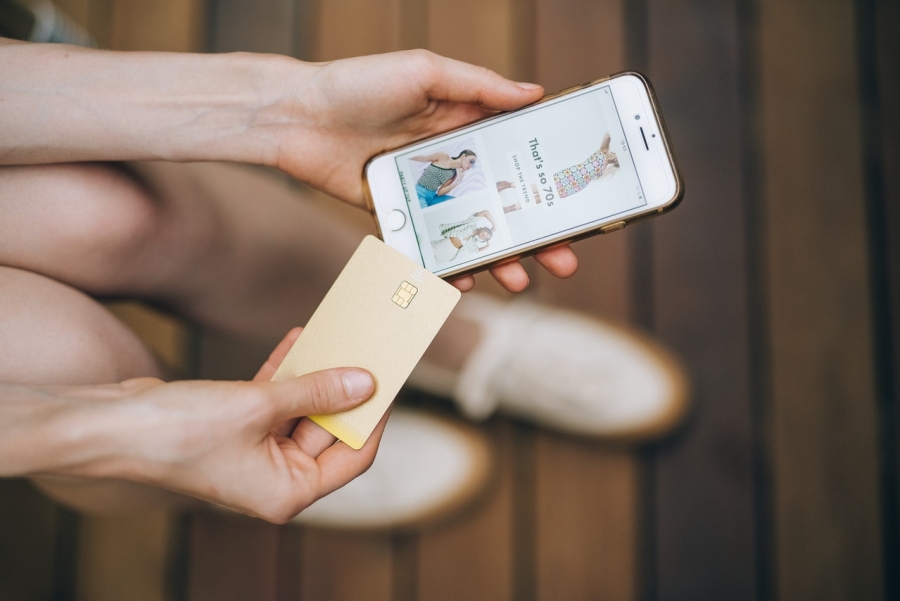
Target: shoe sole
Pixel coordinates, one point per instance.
(480, 467)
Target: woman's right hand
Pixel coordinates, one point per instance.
(237, 444)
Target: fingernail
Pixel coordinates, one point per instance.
(358, 384)
(528, 86)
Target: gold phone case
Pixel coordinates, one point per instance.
(613, 225)
(380, 314)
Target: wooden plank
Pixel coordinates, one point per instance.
(563, 31)
(878, 52)
(587, 496)
(827, 529)
(232, 557)
(100, 17)
(476, 31)
(290, 563)
(493, 542)
(340, 565)
(703, 505)
(887, 18)
(28, 523)
(123, 557)
(578, 41)
(413, 19)
(477, 543)
(886, 21)
(357, 27)
(92, 15)
(251, 26)
(587, 533)
(170, 25)
(77, 10)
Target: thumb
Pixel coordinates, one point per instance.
(321, 392)
(457, 81)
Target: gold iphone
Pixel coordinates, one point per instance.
(587, 160)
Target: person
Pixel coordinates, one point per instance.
(472, 234)
(442, 174)
(97, 203)
(576, 178)
(602, 163)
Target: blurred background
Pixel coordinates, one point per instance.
(777, 282)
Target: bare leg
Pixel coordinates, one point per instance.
(222, 245)
(53, 334)
(232, 248)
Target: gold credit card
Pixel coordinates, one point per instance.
(381, 314)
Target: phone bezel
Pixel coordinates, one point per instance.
(389, 175)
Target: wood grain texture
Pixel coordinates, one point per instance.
(28, 533)
(471, 556)
(705, 530)
(475, 31)
(338, 566)
(169, 25)
(577, 41)
(231, 557)
(887, 17)
(827, 528)
(581, 542)
(587, 513)
(290, 563)
(413, 20)
(587, 497)
(77, 10)
(357, 27)
(886, 189)
(123, 557)
(251, 26)
(474, 556)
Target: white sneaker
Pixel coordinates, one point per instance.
(426, 468)
(565, 371)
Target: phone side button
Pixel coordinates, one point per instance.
(612, 227)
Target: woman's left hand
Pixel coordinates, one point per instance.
(332, 118)
(344, 112)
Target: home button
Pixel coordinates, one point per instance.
(396, 220)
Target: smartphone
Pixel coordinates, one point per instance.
(587, 160)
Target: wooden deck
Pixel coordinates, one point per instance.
(777, 282)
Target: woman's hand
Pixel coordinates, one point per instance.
(256, 452)
(237, 444)
(339, 114)
(317, 122)
(346, 111)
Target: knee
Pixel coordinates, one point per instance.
(54, 334)
(93, 214)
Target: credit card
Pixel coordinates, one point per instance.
(380, 314)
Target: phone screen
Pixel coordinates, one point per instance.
(520, 179)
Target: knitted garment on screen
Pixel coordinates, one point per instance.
(575, 179)
(434, 177)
